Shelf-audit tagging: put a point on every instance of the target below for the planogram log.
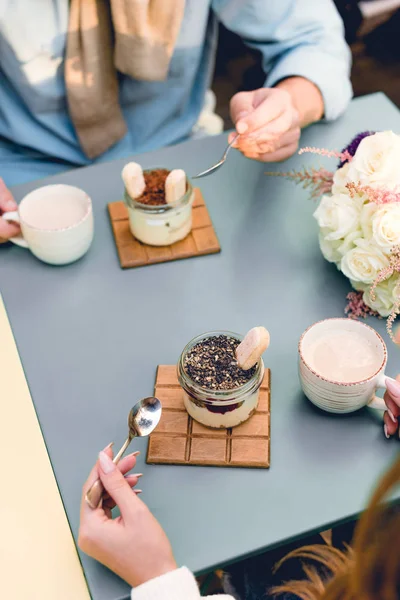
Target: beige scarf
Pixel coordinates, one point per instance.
(137, 37)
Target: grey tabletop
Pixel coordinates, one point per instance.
(90, 336)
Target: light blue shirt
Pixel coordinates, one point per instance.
(295, 37)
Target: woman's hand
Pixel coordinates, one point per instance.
(268, 122)
(132, 545)
(392, 399)
(7, 204)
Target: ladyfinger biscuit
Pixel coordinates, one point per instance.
(132, 175)
(250, 349)
(175, 186)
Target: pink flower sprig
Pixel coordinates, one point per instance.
(356, 307)
(385, 273)
(319, 181)
(378, 196)
(342, 156)
(388, 271)
(391, 319)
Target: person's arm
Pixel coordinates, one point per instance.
(177, 585)
(297, 38)
(307, 63)
(133, 545)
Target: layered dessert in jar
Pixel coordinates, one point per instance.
(159, 204)
(217, 391)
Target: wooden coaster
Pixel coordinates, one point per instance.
(132, 253)
(179, 440)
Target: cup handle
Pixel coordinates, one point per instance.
(18, 239)
(376, 402)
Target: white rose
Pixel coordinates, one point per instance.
(340, 179)
(363, 262)
(358, 286)
(339, 214)
(386, 225)
(376, 162)
(329, 249)
(366, 215)
(334, 250)
(384, 296)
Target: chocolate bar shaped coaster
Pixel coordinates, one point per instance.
(132, 253)
(179, 440)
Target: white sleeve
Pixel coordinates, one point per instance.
(176, 585)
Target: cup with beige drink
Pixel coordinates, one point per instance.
(342, 363)
(56, 223)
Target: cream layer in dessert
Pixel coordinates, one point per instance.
(159, 204)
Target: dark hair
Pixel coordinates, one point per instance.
(368, 571)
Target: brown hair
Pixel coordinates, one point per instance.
(369, 571)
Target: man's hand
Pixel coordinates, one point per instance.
(7, 204)
(268, 123)
(269, 119)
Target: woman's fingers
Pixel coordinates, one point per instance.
(126, 464)
(389, 427)
(393, 407)
(8, 230)
(132, 480)
(392, 401)
(393, 389)
(93, 475)
(7, 202)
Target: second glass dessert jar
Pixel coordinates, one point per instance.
(219, 408)
(163, 224)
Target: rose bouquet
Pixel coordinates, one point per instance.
(359, 219)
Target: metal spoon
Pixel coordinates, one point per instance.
(218, 164)
(143, 419)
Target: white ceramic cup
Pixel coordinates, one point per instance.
(333, 396)
(56, 223)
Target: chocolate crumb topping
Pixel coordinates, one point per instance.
(212, 364)
(154, 193)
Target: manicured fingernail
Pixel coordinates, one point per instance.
(391, 415)
(137, 475)
(387, 435)
(110, 445)
(393, 387)
(106, 464)
(138, 491)
(134, 454)
(241, 127)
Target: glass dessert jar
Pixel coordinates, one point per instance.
(219, 408)
(162, 224)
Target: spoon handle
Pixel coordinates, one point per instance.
(230, 146)
(95, 492)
